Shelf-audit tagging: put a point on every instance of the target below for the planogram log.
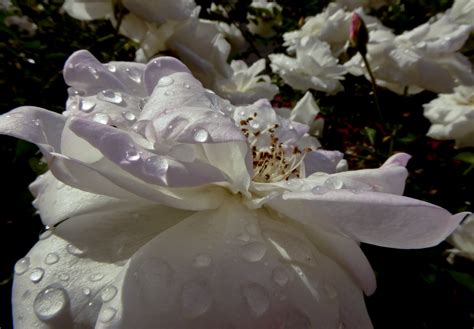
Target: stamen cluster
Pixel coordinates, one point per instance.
(273, 160)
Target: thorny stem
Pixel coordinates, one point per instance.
(374, 87)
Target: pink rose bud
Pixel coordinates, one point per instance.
(358, 34)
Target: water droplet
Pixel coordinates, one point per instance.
(165, 81)
(156, 166)
(330, 290)
(86, 105)
(36, 122)
(102, 118)
(280, 276)
(187, 86)
(255, 124)
(334, 183)
(73, 250)
(22, 265)
(96, 277)
(132, 155)
(93, 71)
(51, 258)
(64, 277)
(110, 96)
(253, 252)
(50, 302)
(36, 274)
(202, 260)
(111, 67)
(129, 116)
(108, 293)
(142, 102)
(256, 297)
(86, 291)
(320, 190)
(195, 299)
(134, 74)
(200, 135)
(107, 314)
(243, 237)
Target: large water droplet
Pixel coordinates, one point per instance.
(73, 250)
(156, 165)
(134, 74)
(165, 81)
(256, 297)
(195, 299)
(110, 96)
(86, 291)
(36, 274)
(202, 260)
(280, 276)
(102, 118)
(200, 135)
(51, 258)
(22, 265)
(96, 277)
(108, 293)
(334, 183)
(107, 314)
(86, 105)
(132, 155)
(320, 190)
(129, 116)
(50, 302)
(253, 252)
(111, 67)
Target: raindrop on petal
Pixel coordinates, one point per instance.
(334, 183)
(129, 116)
(202, 260)
(256, 297)
(111, 67)
(36, 274)
(195, 299)
(96, 277)
(134, 74)
(200, 135)
(110, 96)
(93, 71)
(50, 303)
(86, 291)
(253, 252)
(320, 190)
(22, 265)
(86, 105)
(132, 155)
(51, 258)
(102, 118)
(156, 165)
(107, 314)
(108, 293)
(73, 250)
(165, 81)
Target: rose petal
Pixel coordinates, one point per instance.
(377, 218)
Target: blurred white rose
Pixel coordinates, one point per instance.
(452, 116)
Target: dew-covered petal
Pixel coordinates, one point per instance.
(67, 294)
(162, 67)
(118, 146)
(241, 268)
(377, 218)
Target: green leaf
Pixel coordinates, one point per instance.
(370, 133)
(467, 157)
(465, 279)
